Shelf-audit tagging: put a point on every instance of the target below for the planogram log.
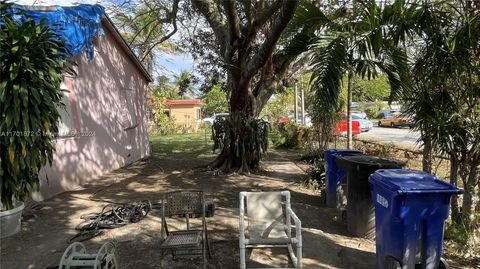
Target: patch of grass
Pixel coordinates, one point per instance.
(178, 143)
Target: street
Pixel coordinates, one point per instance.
(398, 136)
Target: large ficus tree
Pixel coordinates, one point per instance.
(246, 37)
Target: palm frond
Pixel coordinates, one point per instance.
(300, 43)
(328, 65)
(307, 16)
(395, 66)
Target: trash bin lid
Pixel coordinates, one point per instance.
(410, 181)
(371, 161)
(333, 151)
(331, 154)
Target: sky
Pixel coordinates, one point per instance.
(168, 64)
(57, 2)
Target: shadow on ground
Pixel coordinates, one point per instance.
(48, 225)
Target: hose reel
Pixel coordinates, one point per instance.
(76, 257)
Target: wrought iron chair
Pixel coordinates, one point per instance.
(190, 241)
(269, 218)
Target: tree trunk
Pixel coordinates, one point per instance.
(456, 214)
(244, 138)
(349, 109)
(470, 197)
(427, 155)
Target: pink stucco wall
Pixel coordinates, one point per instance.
(98, 88)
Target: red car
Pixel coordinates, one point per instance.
(341, 128)
(284, 119)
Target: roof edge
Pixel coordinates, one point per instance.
(116, 34)
(126, 47)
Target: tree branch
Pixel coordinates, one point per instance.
(262, 17)
(286, 13)
(173, 16)
(233, 20)
(247, 5)
(214, 19)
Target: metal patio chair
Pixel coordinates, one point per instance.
(185, 204)
(269, 218)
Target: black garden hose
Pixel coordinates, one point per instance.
(110, 217)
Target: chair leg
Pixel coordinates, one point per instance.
(209, 251)
(299, 256)
(243, 264)
(204, 254)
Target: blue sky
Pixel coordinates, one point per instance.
(171, 64)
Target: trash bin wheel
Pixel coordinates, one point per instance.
(443, 264)
(392, 263)
(344, 217)
(323, 196)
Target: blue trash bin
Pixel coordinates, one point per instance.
(334, 176)
(410, 210)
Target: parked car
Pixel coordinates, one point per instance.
(365, 124)
(340, 128)
(397, 119)
(360, 114)
(283, 119)
(308, 121)
(211, 119)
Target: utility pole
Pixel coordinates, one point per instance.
(295, 105)
(303, 101)
(349, 108)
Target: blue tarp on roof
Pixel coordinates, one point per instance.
(77, 25)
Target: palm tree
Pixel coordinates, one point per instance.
(144, 30)
(445, 95)
(346, 43)
(184, 82)
(364, 43)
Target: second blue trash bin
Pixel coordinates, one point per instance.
(334, 176)
(410, 210)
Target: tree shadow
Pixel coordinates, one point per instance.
(48, 225)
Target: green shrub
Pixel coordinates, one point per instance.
(315, 175)
(457, 233)
(291, 135)
(312, 155)
(372, 113)
(31, 72)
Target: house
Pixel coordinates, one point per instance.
(187, 114)
(104, 125)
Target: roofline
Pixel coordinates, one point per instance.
(174, 102)
(116, 34)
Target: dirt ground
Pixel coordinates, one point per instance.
(48, 225)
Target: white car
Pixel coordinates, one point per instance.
(360, 114)
(365, 125)
(211, 119)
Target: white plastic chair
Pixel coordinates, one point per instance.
(269, 218)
